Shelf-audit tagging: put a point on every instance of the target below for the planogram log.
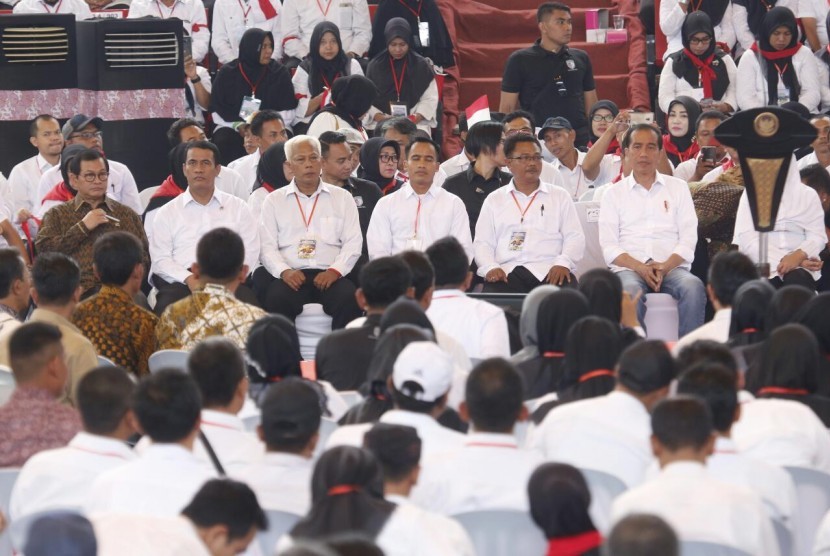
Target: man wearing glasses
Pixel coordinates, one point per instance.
(522, 122)
(267, 128)
(72, 227)
(86, 131)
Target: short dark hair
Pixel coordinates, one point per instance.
(41, 118)
(642, 535)
(174, 134)
(681, 422)
(396, 447)
(626, 142)
(384, 280)
(329, 138)
(404, 402)
(715, 385)
(402, 125)
(646, 367)
(218, 367)
(261, 117)
(483, 137)
(115, 255)
(289, 427)
(512, 142)
(728, 271)
(55, 277)
(706, 351)
(516, 114)
(12, 268)
(87, 155)
(103, 397)
(206, 146)
(449, 260)
(423, 274)
(167, 405)
(547, 8)
(494, 395)
(427, 140)
(710, 115)
(817, 177)
(220, 254)
(227, 502)
(31, 346)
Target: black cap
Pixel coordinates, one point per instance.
(291, 410)
(78, 122)
(394, 445)
(555, 123)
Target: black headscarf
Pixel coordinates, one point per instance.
(321, 72)
(413, 70)
(679, 149)
(270, 172)
(175, 184)
(604, 291)
(685, 63)
(346, 496)
(785, 306)
(440, 42)
(557, 313)
(370, 160)
(274, 87)
(715, 9)
(351, 98)
(749, 308)
(608, 105)
(789, 359)
(816, 316)
(273, 349)
(559, 500)
(755, 12)
(783, 59)
(592, 348)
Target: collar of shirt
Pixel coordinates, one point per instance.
(5, 309)
(580, 156)
(285, 459)
(542, 188)
(410, 418)
(28, 394)
(102, 446)
(448, 294)
(409, 192)
(44, 315)
(632, 182)
(725, 445)
(398, 499)
(633, 404)
(537, 47)
(679, 469)
(491, 440)
(217, 289)
(323, 187)
(110, 291)
(473, 176)
(222, 420)
(723, 314)
(168, 452)
(187, 198)
(77, 203)
(43, 164)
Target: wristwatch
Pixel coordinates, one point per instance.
(196, 79)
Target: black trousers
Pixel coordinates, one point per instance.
(170, 292)
(338, 301)
(797, 277)
(521, 280)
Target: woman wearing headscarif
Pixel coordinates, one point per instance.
(601, 115)
(315, 76)
(674, 12)
(351, 100)
(748, 14)
(272, 173)
(778, 69)
(679, 143)
(174, 185)
(250, 83)
(700, 70)
(378, 163)
(405, 80)
(432, 39)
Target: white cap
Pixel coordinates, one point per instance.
(428, 366)
(353, 136)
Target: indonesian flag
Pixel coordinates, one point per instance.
(479, 111)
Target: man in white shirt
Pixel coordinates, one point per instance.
(821, 146)
(60, 478)
(419, 213)
(559, 138)
(648, 230)
(220, 372)
(181, 223)
(231, 18)
(290, 427)
(16, 281)
(715, 385)
(222, 519)
(191, 12)
(299, 17)
(517, 248)
(611, 433)
(78, 7)
(310, 240)
(86, 131)
(419, 385)
(267, 127)
(479, 326)
(727, 272)
(521, 122)
(490, 472)
(45, 135)
(167, 475)
(693, 170)
(698, 507)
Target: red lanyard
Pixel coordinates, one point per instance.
(417, 217)
(212, 424)
(398, 84)
(527, 208)
(244, 11)
(781, 71)
(594, 374)
(493, 445)
(416, 14)
(248, 81)
(98, 453)
(57, 9)
(158, 7)
(326, 11)
(553, 354)
(302, 212)
(781, 390)
(326, 81)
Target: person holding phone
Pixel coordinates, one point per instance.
(711, 151)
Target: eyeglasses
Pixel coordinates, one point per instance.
(90, 177)
(87, 135)
(387, 158)
(527, 159)
(705, 40)
(597, 118)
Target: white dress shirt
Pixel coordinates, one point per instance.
(555, 239)
(782, 432)
(671, 19)
(161, 483)
(141, 535)
(672, 86)
(744, 34)
(397, 224)
(751, 81)
(816, 9)
(574, 181)
(479, 326)
(246, 167)
(191, 12)
(824, 83)
(648, 224)
(255, 202)
(234, 446)
(717, 330)
(281, 481)
(78, 7)
(609, 434)
(299, 17)
(448, 531)
(122, 188)
(803, 162)
(490, 472)
(231, 18)
(60, 478)
(303, 94)
(198, 110)
(452, 166)
(334, 226)
(799, 225)
(180, 224)
(24, 180)
(701, 508)
(686, 170)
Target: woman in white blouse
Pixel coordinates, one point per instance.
(674, 12)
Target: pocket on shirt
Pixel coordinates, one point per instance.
(331, 228)
(346, 15)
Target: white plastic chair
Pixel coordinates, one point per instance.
(105, 362)
(662, 319)
(696, 548)
(813, 491)
(168, 358)
(252, 422)
(19, 528)
(327, 426)
(784, 537)
(312, 324)
(8, 476)
(588, 213)
(279, 523)
(351, 397)
(503, 533)
(604, 489)
(145, 195)
(7, 384)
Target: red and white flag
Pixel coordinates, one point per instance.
(479, 111)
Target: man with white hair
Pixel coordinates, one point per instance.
(311, 239)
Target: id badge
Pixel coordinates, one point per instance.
(783, 95)
(423, 33)
(307, 251)
(517, 241)
(414, 244)
(249, 106)
(396, 109)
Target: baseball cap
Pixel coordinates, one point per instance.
(423, 372)
(353, 137)
(291, 410)
(78, 122)
(61, 532)
(555, 123)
